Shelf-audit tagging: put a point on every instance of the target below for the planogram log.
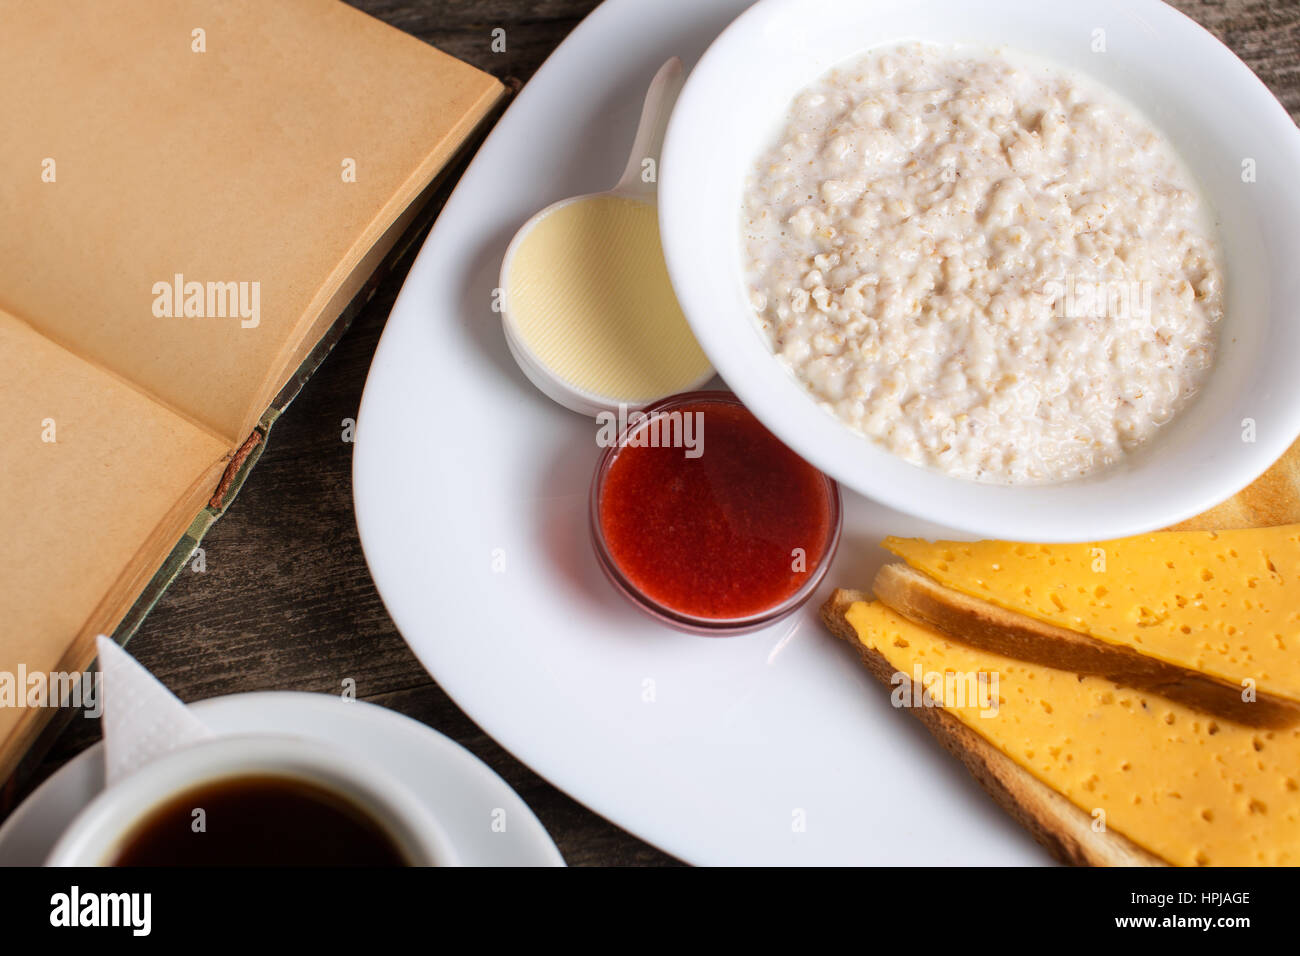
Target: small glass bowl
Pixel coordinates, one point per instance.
(713, 627)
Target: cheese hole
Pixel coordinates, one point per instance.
(1207, 816)
(1146, 617)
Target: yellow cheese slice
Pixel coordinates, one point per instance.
(1224, 603)
(1188, 788)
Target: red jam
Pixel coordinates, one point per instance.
(731, 533)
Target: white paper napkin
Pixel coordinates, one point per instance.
(142, 719)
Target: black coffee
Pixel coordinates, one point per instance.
(259, 821)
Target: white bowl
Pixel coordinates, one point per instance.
(1215, 111)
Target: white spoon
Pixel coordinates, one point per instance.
(588, 309)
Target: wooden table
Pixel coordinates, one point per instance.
(286, 602)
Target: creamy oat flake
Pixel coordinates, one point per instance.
(989, 266)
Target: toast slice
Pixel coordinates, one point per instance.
(923, 600)
(1061, 827)
(1222, 604)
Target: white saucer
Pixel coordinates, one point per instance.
(462, 790)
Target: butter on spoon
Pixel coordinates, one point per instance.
(589, 311)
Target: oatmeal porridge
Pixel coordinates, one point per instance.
(989, 266)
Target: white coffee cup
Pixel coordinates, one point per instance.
(98, 834)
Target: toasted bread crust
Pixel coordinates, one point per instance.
(1055, 822)
(922, 599)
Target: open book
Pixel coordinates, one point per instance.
(190, 194)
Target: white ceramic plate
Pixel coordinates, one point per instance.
(471, 496)
(1214, 110)
(459, 788)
